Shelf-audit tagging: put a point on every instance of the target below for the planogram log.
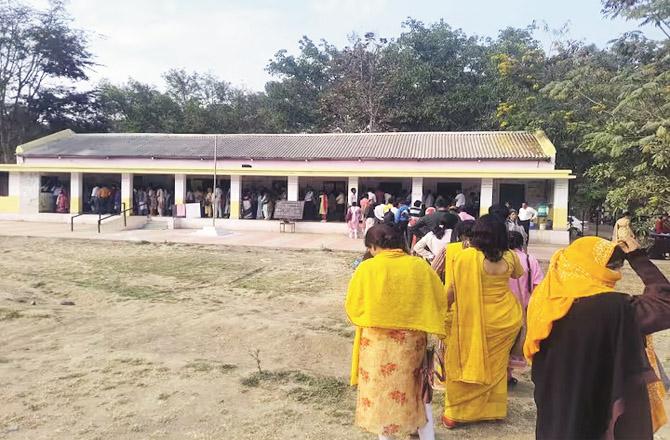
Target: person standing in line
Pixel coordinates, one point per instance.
(460, 239)
(595, 375)
(372, 197)
(323, 206)
(435, 241)
(353, 196)
(310, 211)
(218, 195)
(622, 228)
(340, 206)
(460, 200)
(464, 215)
(522, 288)
(513, 226)
(160, 199)
(190, 198)
(486, 321)
(62, 202)
(103, 199)
(116, 195)
(95, 202)
(353, 219)
(526, 215)
(261, 199)
(364, 204)
(370, 219)
(208, 203)
(395, 301)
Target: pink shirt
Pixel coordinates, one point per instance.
(465, 216)
(520, 287)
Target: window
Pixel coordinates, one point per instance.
(4, 184)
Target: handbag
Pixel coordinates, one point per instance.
(429, 373)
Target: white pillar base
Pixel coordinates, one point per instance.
(417, 189)
(485, 196)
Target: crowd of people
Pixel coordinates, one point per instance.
(490, 309)
(258, 203)
(153, 201)
(104, 199)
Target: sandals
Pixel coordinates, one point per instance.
(448, 423)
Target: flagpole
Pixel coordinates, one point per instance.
(214, 211)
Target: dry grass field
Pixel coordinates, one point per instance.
(187, 342)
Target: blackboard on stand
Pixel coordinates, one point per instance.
(285, 210)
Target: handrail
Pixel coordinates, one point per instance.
(101, 218)
(72, 221)
(122, 212)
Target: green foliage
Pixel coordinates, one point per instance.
(607, 110)
(37, 48)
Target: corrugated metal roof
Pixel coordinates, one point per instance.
(331, 146)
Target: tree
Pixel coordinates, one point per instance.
(38, 49)
(654, 12)
(295, 99)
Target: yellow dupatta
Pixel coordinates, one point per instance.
(578, 271)
(467, 350)
(394, 291)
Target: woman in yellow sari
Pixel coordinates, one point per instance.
(486, 321)
(394, 300)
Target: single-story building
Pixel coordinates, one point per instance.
(490, 167)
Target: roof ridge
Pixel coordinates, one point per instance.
(381, 133)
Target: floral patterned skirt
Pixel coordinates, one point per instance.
(389, 382)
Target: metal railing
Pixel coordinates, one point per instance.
(72, 221)
(114, 214)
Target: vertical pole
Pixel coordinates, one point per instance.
(597, 221)
(123, 207)
(214, 211)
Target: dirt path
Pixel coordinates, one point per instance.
(164, 342)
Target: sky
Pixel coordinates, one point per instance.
(235, 39)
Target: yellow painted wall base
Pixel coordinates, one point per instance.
(560, 219)
(75, 205)
(9, 204)
(234, 210)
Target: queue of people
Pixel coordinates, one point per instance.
(488, 304)
(104, 199)
(258, 204)
(153, 201)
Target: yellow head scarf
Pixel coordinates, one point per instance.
(578, 271)
(395, 291)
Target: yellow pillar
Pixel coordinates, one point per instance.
(76, 189)
(560, 205)
(127, 190)
(235, 195)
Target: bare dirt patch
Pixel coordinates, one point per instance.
(187, 342)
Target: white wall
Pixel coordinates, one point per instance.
(29, 193)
